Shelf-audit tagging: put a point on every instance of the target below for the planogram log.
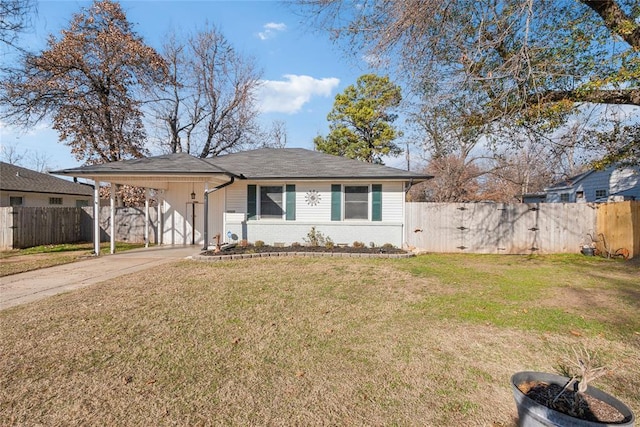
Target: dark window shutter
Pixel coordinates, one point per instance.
(252, 210)
(336, 201)
(376, 202)
(291, 202)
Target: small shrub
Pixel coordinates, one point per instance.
(329, 244)
(295, 245)
(388, 246)
(357, 244)
(258, 244)
(316, 238)
(244, 243)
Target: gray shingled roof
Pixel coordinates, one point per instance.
(263, 163)
(173, 164)
(16, 178)
(299, 163)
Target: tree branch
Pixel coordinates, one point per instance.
(617, 97)
(616, 20)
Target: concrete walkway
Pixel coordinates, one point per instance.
(34, 285)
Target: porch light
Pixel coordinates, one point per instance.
(193, 195)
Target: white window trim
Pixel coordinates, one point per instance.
(259, 202)
(343, 209)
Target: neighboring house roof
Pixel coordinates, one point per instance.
(264, 163)
(569, 182)
(16, 178)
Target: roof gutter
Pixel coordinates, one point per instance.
(206, 209)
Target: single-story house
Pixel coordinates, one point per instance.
(271, 195)
(613, 183)
(24, 187)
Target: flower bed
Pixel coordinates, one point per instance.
(251, 251)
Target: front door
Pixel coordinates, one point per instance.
(194, 218)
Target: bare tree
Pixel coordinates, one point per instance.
(522, 61)
(277, 137)
(88, 82)
(34, 160)
(228, 82)
(454, 181)
(177, 105)
(9, 153)
(15, 17)
(208, 106)
(535, 51)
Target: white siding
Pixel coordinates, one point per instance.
(236, 197)
(177, 221)
(271, 231)
(393, 202)
(321, 212)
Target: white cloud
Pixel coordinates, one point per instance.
(271, 29)
(289, 95)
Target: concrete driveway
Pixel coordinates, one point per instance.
(34, 285)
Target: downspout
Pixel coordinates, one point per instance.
(96, 217)
(405, 237)
(206, 210)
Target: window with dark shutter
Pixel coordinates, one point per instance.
(376, 202)
(252, 208)
(291, 203)
(336, 201)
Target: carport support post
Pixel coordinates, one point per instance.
(146, 218)
(206, 217)
(160, 200)
(96, 217)
(112, 219)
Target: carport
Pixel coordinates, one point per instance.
(173, 177)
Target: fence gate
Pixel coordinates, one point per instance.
(499, 227)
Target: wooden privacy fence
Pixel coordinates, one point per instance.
(618, 228)
(434, 227)
(23, 227)
(500, 227)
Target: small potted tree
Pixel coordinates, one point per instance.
(545, 399)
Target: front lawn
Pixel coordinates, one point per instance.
(23, 260)
(431, 340)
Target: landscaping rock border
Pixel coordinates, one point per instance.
(228, 257)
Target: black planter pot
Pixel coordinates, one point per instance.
(534, 414)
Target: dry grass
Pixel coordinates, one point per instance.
(23, 260)
(315, 341)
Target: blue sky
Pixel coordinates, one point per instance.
(302, 68)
